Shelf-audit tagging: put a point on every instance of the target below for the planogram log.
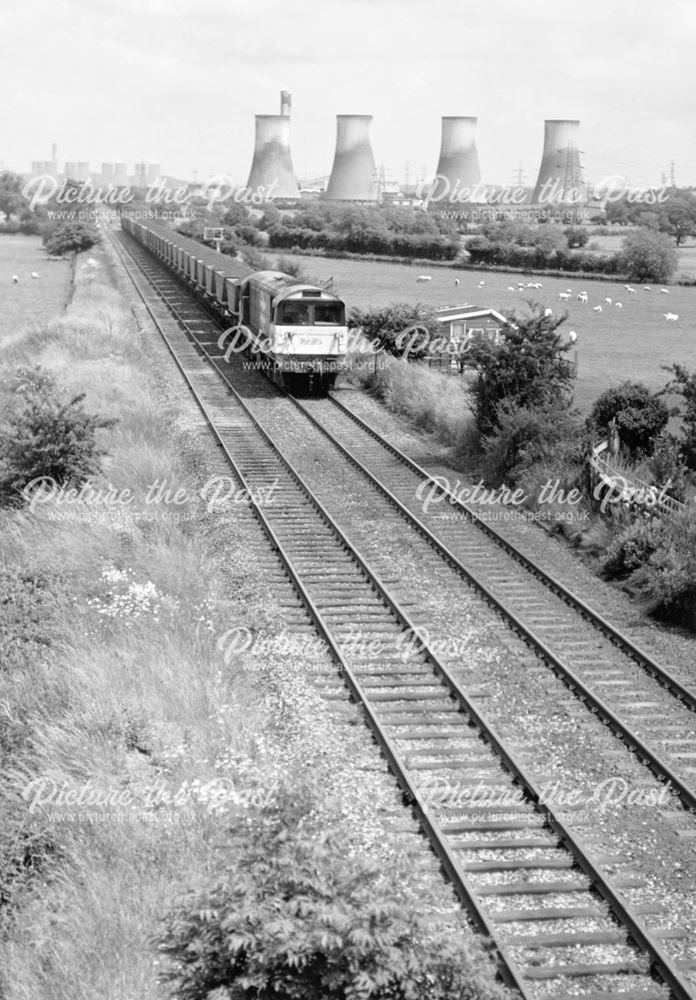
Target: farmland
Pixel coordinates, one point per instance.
(631, 342)
(30, 301)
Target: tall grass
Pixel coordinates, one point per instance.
(431, 402)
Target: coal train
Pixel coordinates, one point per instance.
(295, 332)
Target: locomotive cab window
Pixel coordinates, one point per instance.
(328, 312)
(293, 314)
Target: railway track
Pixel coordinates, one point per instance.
(523, 875)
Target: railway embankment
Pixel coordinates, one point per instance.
(153, 699)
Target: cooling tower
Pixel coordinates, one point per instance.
(121, 174)
(285, 103)
(559, 173)
(458, 161)
(37, 168)
(154, 172)
(71, 170)
(83, 170)
(271, 168)
(107, 173)
(354, 173)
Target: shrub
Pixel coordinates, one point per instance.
(576, 236)
(64, 237)
(527, 368)
(404, 329)
(525, 437)
(296, 916)
(668, 575)
(45, 434)
(684, 383)
(633, 547)
(640, 416)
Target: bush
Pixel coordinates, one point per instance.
(576, 236)
(632, 548)
(648, 256)
(640, 416)
(684, 383)
(525, 437)
(404, 329)
(294, 916)
(45, 434)
(527, 368)
(64, 237)
(668, 575)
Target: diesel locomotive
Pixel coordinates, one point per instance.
(293, 331)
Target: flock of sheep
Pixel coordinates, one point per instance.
(15, 277)
(567, 294)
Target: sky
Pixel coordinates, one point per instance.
(178, 82)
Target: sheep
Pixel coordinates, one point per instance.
(564, 296)
(582, 297)
(481, 284)
(15, 279)
(456, 281)
(596, 309)
(608, 300)
(618, 305)
(629, 289)
(511, 288)
(664, 291)
(548, 312)
(672, 316)
(647, 288)
(35, 274)
(423, 277)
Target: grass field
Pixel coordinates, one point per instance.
(32, 300)
(627, 343)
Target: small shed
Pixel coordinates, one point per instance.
(467, 321)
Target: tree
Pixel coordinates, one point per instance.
(677, 215)
(65, 237)
(527, 368)
(648, 256)
(404, 329)
(639, 414)
(684, 383)
(11, 199)
(576, 236)
(293, 915)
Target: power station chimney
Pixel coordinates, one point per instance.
(560, 175)
(458, 161)
(354, 172)
(285, 103)
(271, 168)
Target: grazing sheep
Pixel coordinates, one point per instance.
(664, 291)
(15, 279)
(424, 277)
(572, 336)
(596, 309)
(647, 288)
(629, 289)
(608, 300)
(456, 281)
(582, 297)
(34, 274)
(618, 305)
(672, 316)
(564, 296)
